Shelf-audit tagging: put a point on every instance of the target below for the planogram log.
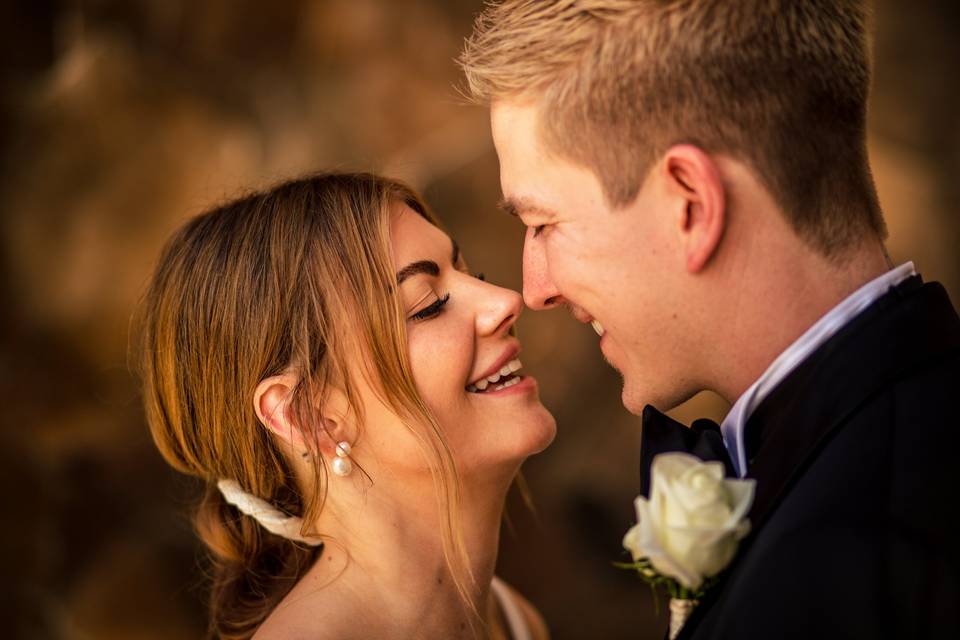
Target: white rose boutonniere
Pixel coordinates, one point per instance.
(688, 530)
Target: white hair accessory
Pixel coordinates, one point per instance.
(269, 517)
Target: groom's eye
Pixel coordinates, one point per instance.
(537, 230)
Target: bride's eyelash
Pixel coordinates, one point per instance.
(432, 310)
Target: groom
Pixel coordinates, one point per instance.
(694, 181)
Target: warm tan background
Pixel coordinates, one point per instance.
(121, 118)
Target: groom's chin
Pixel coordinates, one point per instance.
(634, 405)
(636, 396)
(634, 400)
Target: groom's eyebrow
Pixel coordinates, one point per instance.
(516, 207)
(427, 267)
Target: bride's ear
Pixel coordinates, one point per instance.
(271, 402)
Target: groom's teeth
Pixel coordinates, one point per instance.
(505, 370)
(482, 385)
(597, 327)
(514, 365)
(494, 377)
(471, 388)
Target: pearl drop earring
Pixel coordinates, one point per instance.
(341, 465)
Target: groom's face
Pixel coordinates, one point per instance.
(616, 267)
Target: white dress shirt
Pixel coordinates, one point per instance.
(820, 332)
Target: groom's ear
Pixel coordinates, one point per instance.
(695, 187)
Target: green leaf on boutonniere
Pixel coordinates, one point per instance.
(674, 589)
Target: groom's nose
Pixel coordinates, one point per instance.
(539, 291)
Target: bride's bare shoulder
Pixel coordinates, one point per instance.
(314, 609)
(305, 627)
(307, 618)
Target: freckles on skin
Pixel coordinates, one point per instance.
(439, 348)
(439, 358)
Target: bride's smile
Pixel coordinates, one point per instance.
(463, 352)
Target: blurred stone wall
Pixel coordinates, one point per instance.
(119, 120)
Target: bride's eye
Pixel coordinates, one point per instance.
(431, 310)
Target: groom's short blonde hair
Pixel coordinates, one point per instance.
(779, 84)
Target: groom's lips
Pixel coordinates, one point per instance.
(582, 316)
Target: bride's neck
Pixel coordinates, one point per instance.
(386, 547)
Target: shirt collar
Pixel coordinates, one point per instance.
(834, 320)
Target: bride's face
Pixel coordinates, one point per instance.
(460, 337)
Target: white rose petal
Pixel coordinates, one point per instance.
(690, 527)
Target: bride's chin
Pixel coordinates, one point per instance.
(541, 433)
(536, 438)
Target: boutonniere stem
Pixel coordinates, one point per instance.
(680, 610)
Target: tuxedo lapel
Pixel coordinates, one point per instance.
(909, 327)
(912, 326)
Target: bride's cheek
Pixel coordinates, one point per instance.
(431, 358)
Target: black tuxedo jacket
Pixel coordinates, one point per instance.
(856, 519)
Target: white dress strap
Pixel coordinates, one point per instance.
(516, 621)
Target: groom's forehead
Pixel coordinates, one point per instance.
(515, 125)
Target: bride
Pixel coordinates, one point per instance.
(319, 355)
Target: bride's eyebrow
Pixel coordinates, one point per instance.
(428, 267)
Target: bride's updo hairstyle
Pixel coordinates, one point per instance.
(282, 280)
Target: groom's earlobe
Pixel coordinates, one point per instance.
(694, 178)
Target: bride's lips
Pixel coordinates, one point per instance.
(507, 356)
(524, 384)
(502, 377)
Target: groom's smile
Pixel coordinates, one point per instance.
(583, 253)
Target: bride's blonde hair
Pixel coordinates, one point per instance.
(278, 279)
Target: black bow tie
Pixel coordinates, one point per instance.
(662, 434)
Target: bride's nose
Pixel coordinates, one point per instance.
(497, 310)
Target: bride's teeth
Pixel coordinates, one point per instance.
(508, 383)
(508, 369)
(597, 327)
